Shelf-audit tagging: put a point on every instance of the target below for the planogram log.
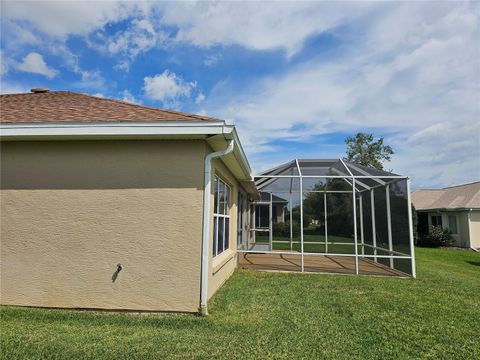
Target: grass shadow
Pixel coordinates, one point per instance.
(475, 263)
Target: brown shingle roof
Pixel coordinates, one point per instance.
(455, 197)
(66, 106)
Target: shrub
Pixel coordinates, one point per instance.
(436, 237)
(282, 229)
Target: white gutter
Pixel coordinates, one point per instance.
(18, 131)
(206, 224)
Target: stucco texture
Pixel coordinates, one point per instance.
(462, 239)
(71, 211)
(475, 229)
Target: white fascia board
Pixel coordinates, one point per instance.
(230, 133)
(243, 156)
(113, 129)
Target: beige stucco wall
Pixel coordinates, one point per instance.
(464, 240)
(223, 265)
(71, 211)
(468, 232)
(475, 228)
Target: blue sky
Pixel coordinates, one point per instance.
(296, 78)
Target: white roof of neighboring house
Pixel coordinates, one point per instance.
(455, 197)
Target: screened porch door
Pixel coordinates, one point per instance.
(261, 231)
(242, 221)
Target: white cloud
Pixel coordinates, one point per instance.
(21, 34)
(257, 25)
(90, 80)
(34, 63)
(408, 70)
(200, 98)
(167, 86)
(63, 18)
(254, 25)
(3, 64)
(7, 87)
(128, 97)
(212, 60)
(413, 73)
(49, 24)
(139, 37)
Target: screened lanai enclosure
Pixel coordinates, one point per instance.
(330, 216)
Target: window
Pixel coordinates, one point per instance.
(221, 217)
(452, 224)
(437, 220)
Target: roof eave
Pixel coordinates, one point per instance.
(449, 209)
(97, 130)
(91, 130)
(220, 142)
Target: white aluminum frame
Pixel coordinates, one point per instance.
(225, 216)
(354, 182)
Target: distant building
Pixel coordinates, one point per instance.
(456, 208)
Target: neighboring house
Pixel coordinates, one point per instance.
(262, 210)
(455, 208)
(102, 203)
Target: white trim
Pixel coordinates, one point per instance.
(342, 244)
(298, 168)
(354, 202)
(321, 254)
(218, 215)
(389, 221)
(362, 239)
(301, 215)
(469, 219)
(374, 229)
(243, 156)
(114, 129)
(270, 221)
(332, 176)
(291, 217)
(346, 167)
(410, 230)
(325, 220)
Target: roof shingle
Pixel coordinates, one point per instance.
(455, 197)
(66, 106)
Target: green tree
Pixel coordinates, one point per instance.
(339, 207)
(363, 150)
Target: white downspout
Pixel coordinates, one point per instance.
(206, 225)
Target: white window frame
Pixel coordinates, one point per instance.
(217, 216)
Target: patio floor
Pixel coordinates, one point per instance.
(318, 264)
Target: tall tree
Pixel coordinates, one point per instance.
(363, 150)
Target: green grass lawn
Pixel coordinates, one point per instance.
(275, 315)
